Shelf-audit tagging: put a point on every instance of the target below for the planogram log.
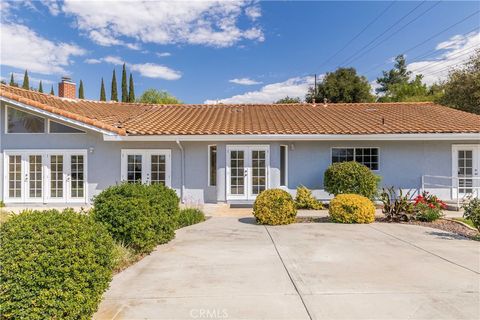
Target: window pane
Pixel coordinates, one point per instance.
(134, 168)
(77, 176)
(342, 154)
(35, 179)
(213, 165)
(56, 127)
(23, 122)
(157, 169)
(15, 176)
(365, 156)
(56, 176)
(283, 165)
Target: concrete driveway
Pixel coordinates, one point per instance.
(230, 268)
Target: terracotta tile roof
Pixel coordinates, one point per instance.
(358, 118)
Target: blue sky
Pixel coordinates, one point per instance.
(235, 51)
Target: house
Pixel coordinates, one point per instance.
(66, 150)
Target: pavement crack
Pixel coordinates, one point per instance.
(424, 250)
(289, 275)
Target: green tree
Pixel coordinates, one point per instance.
(131, 91)
(462, 87)
(158, 97)
(81, 94)
(51, 91)
(398, 75)
(12, 81)
(342, 85)
(113, 92)
(26, 82)
(288, 99)
(124, 84)
(40, 87)
(103, 96)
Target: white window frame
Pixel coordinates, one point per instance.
(476, 164)
(355, 154)
(46, 153)
(45, 124)
(208, 165)
(146, 164)
(286, 165)
(49, 132)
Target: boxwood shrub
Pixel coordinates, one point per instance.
(351, 208)
(189, 216)
(139, 216)
(274, 207)
(351, 177)
(305, 200)
(54, 265)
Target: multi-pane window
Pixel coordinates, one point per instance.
(237, 174)
(158, 169)
(283, 165)
(35, 176)
(212, 165)
(465, 171)
(77, 176)
(134, 168)
(259, 177)
(366, 156)
(24, 122)
(56, 176)
(15, 176)
(56, 127)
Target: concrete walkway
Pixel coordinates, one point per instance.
(231, 268)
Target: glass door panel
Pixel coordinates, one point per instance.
(158, 169)
(56, 177)
(14, 177)
(34, 177)
(237, 173)
(465, 171)
(77, 177)
(259, 177)
(134, 168)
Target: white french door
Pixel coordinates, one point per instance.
(466, 168)
(45, 176)
(247, 171)
(146, 166)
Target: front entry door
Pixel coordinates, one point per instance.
(247, 171)
(466, 170)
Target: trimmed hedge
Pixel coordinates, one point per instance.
(274, 207)
(351, 177)
(54, 265)
(351, 208)
(305, 200)
(189, 216)
(137, 215)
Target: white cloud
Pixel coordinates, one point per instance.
(452, 53)
(244, 81)
(33, 81)
(92, 61)
(149, 70)
(211, 23)
(293, 87)
(23, 48)
(163, 54)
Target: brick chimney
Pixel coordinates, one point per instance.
(66, 88)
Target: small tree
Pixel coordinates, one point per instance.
(113, 92)
(288, 100)
(131, 91)
(51, 91)
(398, 75)
(103, 97)
(40, 87)
(124, 84)
(26, 82)
(80, 91)
(158, 97)
(12, 81)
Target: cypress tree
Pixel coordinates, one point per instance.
(113, 93)
(124, 84)
(80, 91)
(102, 92)
(131, 92)
(40, 87)
(12, 81)
(51, 91)
(26, 84)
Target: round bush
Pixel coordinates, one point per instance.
(351, 177)
(137, 215)
(55, 265)
(274, 207)
(351, 208)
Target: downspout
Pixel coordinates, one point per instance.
(182, 171)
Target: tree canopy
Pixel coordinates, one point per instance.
(158, 97)
(124, 84)
(131, 91)
(26, 82)
(398, 75)
(81, 94)
(103, 96)
(113, 92)
(288, 99)
(342, 85)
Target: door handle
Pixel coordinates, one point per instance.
(245, 172)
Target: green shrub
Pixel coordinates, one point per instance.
(305, 200)
(137, 215)
(351, 177)
(472, 212)
(55, 265)
(396, 206)
(428, 207)
(274, 207)
(190, 216)
(123, 257)
(351, 208)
